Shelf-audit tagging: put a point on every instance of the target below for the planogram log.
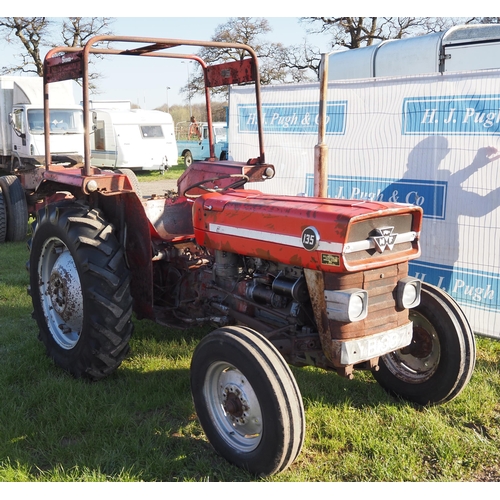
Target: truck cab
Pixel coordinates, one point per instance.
(22, 137)
(66, 129)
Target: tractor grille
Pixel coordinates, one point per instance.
(361, 245)
(383, 313)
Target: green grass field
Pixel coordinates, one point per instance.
(139, 424)
(173, 172)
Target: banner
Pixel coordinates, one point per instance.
(431, 140)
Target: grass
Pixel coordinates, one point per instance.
(173, 172)
(139, 424)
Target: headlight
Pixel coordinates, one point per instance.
(408, 293)
(346, 305)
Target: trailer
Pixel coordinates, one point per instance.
(430, 139)
(460, 48)
(135, 139)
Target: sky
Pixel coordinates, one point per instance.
(149, 82)
(145, 82)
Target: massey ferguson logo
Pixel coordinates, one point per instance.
(384, 238)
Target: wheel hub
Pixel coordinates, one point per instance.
(62, 297)
(65, 293)
(234, 404)
(421, 344)
(419, 361)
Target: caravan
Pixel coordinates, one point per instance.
(136, 139)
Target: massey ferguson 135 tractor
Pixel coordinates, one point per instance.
(284, 280)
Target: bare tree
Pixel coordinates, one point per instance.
(76, 31)
(355, 32)
(33, 34)
(36, 34)
(302, 61)
(249, 31)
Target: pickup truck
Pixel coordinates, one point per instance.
(196, 149)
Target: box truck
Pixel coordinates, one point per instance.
(21, 123)
(412, 121)
(136, 139)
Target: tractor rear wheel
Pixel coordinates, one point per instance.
(247, 400)
(16, 208)
(439, 362)
(80, 289)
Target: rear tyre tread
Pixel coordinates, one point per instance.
(16, 208)
(3, 218)
(107, 303)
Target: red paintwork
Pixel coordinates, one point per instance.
(254, 220)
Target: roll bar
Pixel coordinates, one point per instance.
(69, 63)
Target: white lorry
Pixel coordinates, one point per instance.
(394, 134)
(21, 123)
(135, 139)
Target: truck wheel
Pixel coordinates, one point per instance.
(80, 289)
(16, 208)
(247, 400)
(439, 362)
(3, 218)
(188, 159)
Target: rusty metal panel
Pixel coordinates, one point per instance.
(220, 174)
(230, 73)
(383, 313)
(65, 67)
(298, 231)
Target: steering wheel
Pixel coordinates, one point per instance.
(242, 179)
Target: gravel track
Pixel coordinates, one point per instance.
(158, 187)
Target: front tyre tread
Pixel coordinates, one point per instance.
(453, 354)
(266, 383)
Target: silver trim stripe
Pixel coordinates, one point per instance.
(293, 241)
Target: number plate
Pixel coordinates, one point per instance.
(357, 350)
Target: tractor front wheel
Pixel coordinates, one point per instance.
(247, 400)
(439, 362)
(80, 289)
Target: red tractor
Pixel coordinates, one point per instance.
(284, 280)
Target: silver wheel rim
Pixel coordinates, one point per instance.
(419, 361)
(60, 293)
(233, 407)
